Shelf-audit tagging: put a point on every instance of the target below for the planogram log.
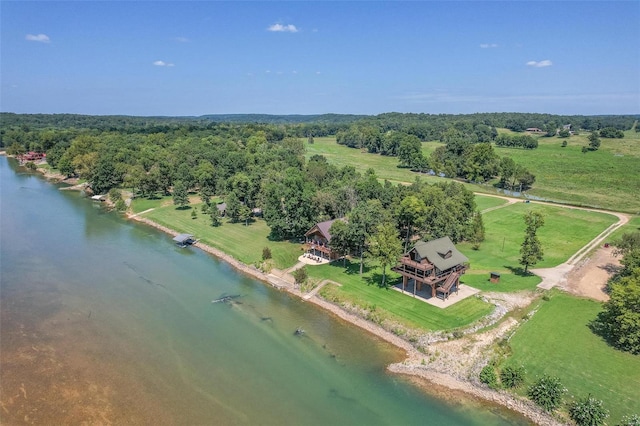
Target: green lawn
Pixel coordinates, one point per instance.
(564, 233)
(631, 226)
(607, 178)
(341, 155)
(484, 203)
(557, 341)
(365, 292)
(141, 204)
(244, 243)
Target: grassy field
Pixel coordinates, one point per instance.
(565, 232)
(484, 203)
(341, 155)
(586, 365)
(607, 178)
(386, 303)
(245, 243)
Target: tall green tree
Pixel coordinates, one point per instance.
(214, 214)
(233, 206)
(363, 220)
(411, 212)
(385, 247)
(342, 241)
(476, 235)
(180, 195)
(594, 141)
(531, 250)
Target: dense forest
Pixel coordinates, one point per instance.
(257, 161)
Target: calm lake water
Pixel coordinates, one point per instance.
(105, 320)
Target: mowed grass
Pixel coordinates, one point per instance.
(607, 178)
(483, 202)
(365, 292)
(632, 226)
(565, 231)
(244, 243)
(341, 155)
(558, 342)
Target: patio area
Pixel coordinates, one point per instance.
(424, 294)
(309, 259)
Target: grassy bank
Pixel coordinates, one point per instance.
(244, 243)
(586, 365)
(384, 303)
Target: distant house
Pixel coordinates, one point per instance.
(534, 130)
(318, 238)
(222, 208)
(31, 156)
(436, 263)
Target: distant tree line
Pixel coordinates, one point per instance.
(250, 165)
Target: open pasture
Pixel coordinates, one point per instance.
(607, 178)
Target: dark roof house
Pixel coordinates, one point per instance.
(436, 263)
(441, 253)
(318, 239)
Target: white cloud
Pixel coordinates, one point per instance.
(42, 38)
(163, 64)
(279, 28)
(488, 45)
(182, 39)
(540, 64)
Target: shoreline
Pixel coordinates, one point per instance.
(426, 377)
(413, 367)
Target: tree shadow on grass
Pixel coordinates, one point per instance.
(183, 208)
(518, 271)
(376, 279)
(352, 268)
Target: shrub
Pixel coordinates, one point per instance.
(588, 412)
(547, 392)
(512, 377)
(266, 253)
(194, 215)
(632, 420)
(121, 205)
(115, 194)
(488, 376)
(300, 275)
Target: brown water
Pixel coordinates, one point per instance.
(106, 321)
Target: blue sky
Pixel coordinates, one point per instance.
(302, 57)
